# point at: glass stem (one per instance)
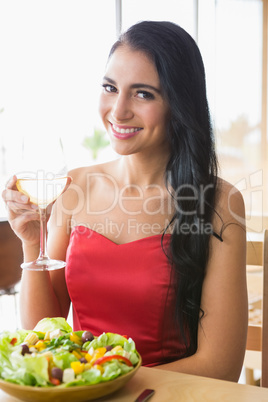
(43, 233)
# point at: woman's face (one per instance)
(132, 106)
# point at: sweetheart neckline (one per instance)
(86, 228)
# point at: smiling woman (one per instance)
(132, 93)
(162, 278)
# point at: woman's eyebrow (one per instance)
(134, 86)
(147, 86)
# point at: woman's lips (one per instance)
(123, 133)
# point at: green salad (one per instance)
(55, 355)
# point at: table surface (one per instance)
(171, 386)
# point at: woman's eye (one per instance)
(145, 95)
(109, 88)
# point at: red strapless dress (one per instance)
(125, 289)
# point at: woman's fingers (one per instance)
(11, 192)
(16, 202)
(12, 182)
(20, 211)
(14, 197)
(23, 216)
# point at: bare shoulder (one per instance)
(229, 205)
(82, 174)
(229, 199)
(89, 181)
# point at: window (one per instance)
(53, 55)
(235, 65)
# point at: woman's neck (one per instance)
(143, 171)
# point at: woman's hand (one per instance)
(23, 216)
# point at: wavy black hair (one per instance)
(191, 172)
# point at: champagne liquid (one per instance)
(42, 192)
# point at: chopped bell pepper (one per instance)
(105, 359)
(13, 341)
(54, 381)
(75, 338)
(77, 367)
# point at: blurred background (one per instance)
(53, 55)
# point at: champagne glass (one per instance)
(43, 178)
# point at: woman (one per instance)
(154, 242)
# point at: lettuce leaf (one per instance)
(63, 359)
(6, 348)
(51, 324)
(109, 338)
(25, 370)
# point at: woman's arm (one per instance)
(223, 329)
(43, 294)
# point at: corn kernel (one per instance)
(31, 338)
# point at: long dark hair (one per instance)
(191, 172)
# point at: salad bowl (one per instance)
(54, 363)
(68, 394)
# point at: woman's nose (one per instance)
(121, 109)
